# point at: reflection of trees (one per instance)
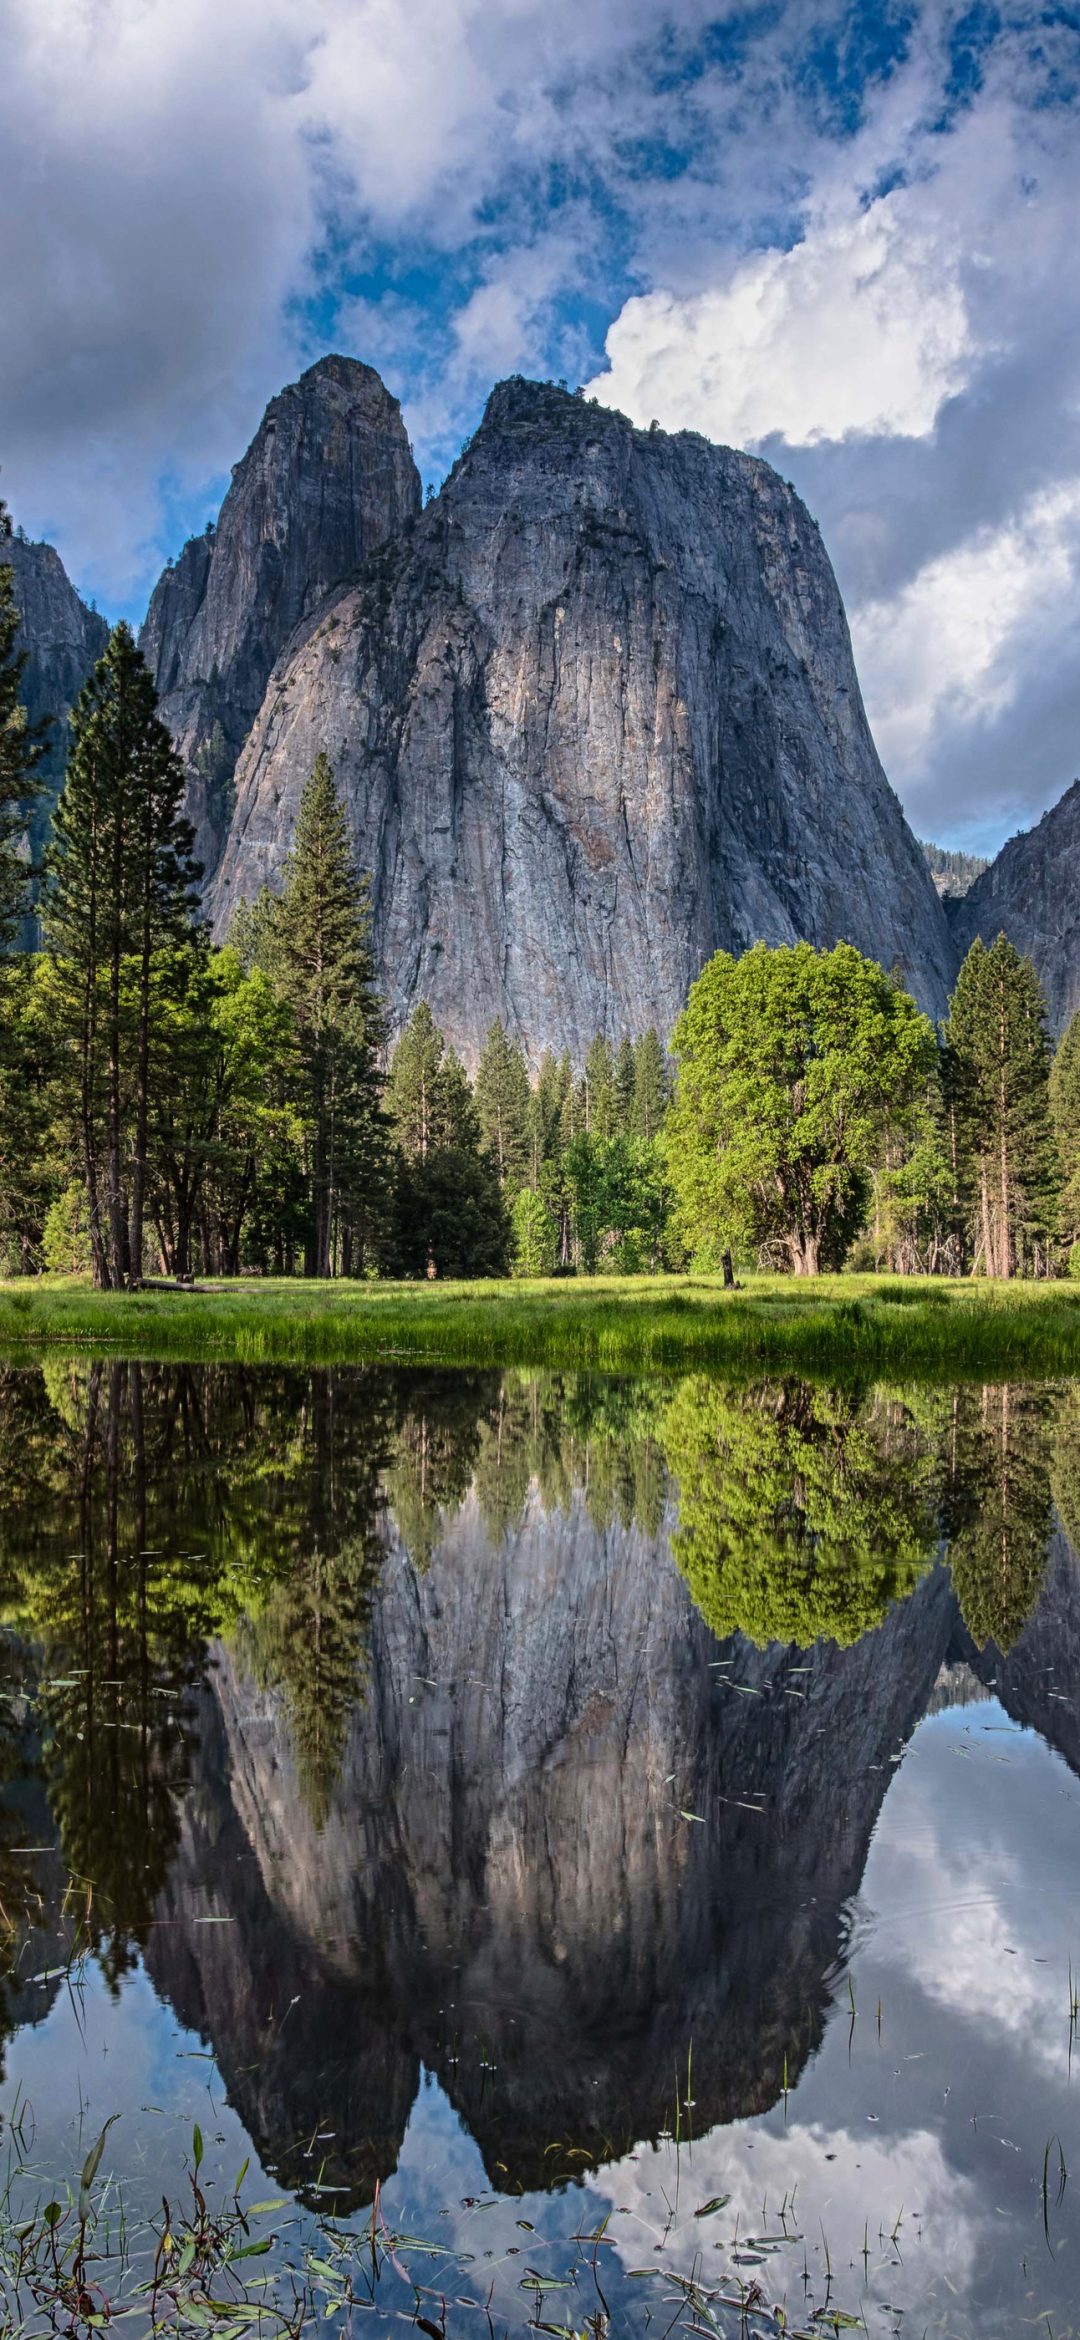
(1065, 1465)
(802, 1512)
(995, 1449)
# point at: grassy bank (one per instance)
(839, 1325)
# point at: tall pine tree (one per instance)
(316, 942)
(119, 887)
(502, 1106)
(998, 1069)
(1065, 1110)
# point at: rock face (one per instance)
(594, 717)
(1032, 894)
(328, 476)
(62, 639)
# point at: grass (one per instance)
(840, 1325)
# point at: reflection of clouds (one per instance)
(966, 1872)
(856, 2198)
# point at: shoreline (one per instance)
(841, 1326)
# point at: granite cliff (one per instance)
(62, 639)
(327, 477)
(594, 716)
(1032, 894)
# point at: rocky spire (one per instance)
(328, 476)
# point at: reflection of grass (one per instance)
(849, 1324)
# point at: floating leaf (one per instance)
(716, 2202)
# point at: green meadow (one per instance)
(839, 1325)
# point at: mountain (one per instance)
(1032, 894)
(62, 639)
(594, 716)
(328, 476)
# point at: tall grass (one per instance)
(838, 1325)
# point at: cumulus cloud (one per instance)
(913, 362)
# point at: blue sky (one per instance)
(842, 236)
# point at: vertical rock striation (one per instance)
(596, 717)
(1032, 894)
(62, 639)
(328, 476)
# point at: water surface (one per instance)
(553, 1804)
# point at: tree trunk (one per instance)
(138, 1182)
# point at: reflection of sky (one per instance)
(969, 1912)
(911, 2156)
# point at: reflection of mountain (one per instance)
(503, 1877)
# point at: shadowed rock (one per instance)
(1032, 894)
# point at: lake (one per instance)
(604, 1852)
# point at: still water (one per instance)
(612, 1844)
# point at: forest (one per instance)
(171, 1108)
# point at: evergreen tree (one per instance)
(502, 1106)
(624, 1081)
(22, 746)
(316, 939)
(419, 1100)
(998, 1059)
(652, 1087)
(1065, 1113)
(600, 1104)
(119, 887)
(449, 1213)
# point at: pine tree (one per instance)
(1065, 1112)
(652, 1087)
(449, 1213)
(502, 1104)
(600, 1109)
(119, 880)
(316, 940)
(998, 1058)
(623, 1085)
(22, 746)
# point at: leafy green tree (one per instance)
(502, 1106)
(118, 889)
(535, 1234)
(1065, 1114)
(803, 1512)
(621, 1202)
(998, 1058)
(790, 1063)
(316, 939)
(22, 746)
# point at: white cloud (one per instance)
(950, 652)
(860, 327)
(913, 362)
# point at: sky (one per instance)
(842, 237)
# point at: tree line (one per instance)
(170, 1106)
